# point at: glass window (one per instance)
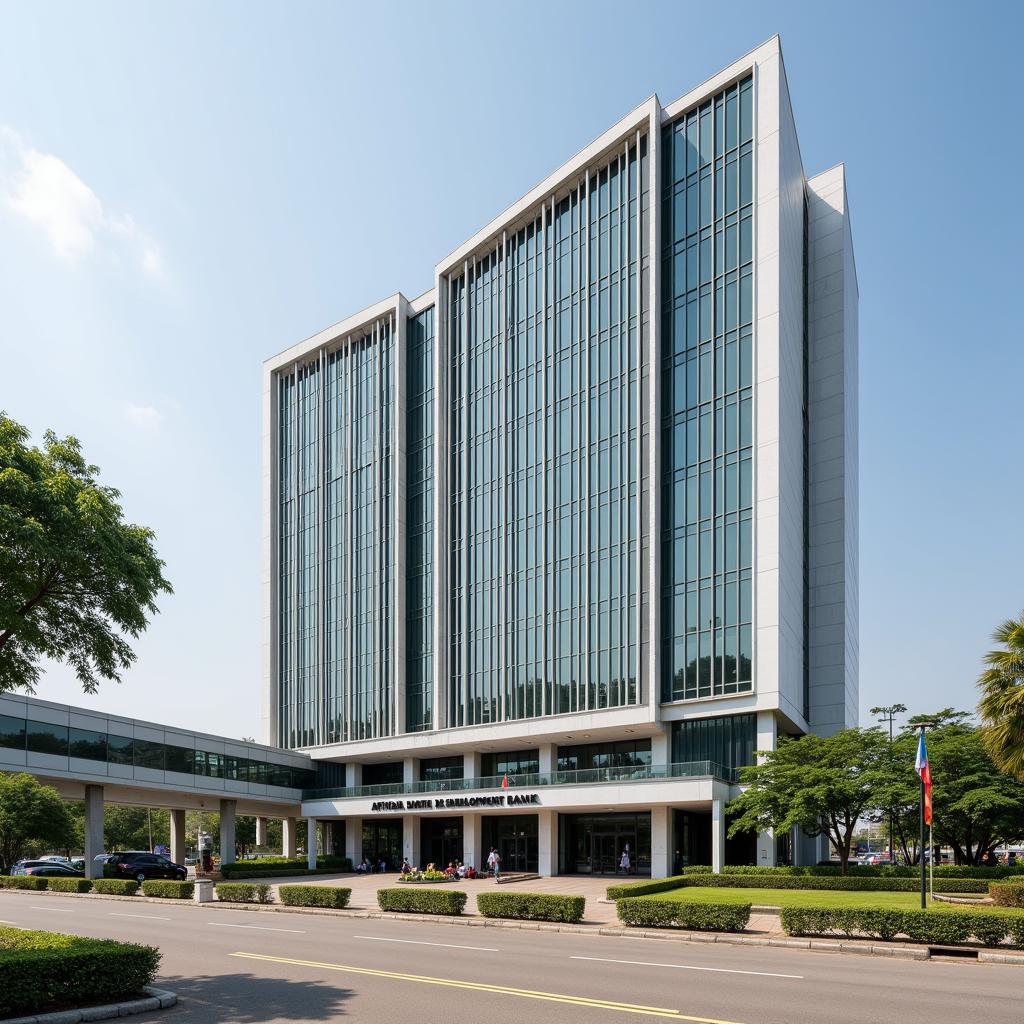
(383, 774)
(44, 738)
(441, 769)
(179, 759)
(120, 750)
(12, 732)
(149, 755)
(88, 744)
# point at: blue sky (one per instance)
(188, 188)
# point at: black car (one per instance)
(140, 866)
(50, 869)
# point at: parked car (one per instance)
(78, 863)
(52, 869)
(140, 866)
(19, 866)
(55, 858)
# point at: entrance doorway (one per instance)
(515, 837)
(594, 844)
(441, 841)
(382, 840)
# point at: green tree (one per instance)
(74, 576)
(1002, 697)
(128, 828)
(33, 819)
(823, 784)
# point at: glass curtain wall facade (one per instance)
(335, 542)
(548, 361)
(419, 482)
(707, 397)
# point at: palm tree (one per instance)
(1002, 700)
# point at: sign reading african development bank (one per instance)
(444, 803)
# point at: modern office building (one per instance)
(553, 549)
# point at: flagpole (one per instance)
(924, 902)
(931, 863)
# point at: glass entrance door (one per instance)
(514, 853)
(602, 853)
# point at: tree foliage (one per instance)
(823, 784)
(1002, 697)
(33, 819)
(75, 578)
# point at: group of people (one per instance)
(369, 867)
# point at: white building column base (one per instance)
(472, 837)
(311, 838)
(547, 843)
(410, 840)
(717, 835)
(227, 831)
(661, 843)
(93, 830)
(288, 829)
(178, 836)
(354, 840)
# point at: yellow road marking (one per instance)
(554, 997)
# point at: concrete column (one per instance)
(353, 774)
(472, 836)
(410, 770)
(93, 830)
(261, 831)
(548, 757)
(547, 843)
(717, 836)
(178, 836)
(767, 731)
(354, 840)
(288, 827)
(327, 838)
(311, 838)
(471, 767)
(227, 831)
(411, 840)
(661, 843)
(661, 752)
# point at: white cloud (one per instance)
(46, 192)
(145, 417)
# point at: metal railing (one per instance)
(582, 777)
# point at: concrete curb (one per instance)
(895, 951)
(156, 999)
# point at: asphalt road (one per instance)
(245, 966)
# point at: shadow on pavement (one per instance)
(242, 998)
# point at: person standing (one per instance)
(624, 860)
(494, 863)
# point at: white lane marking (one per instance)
(56, 910)
(688, 967)
(415, 942)
(255, 927)
(146, 917)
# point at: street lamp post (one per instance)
(888, 714)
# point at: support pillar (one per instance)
(327, 838)
(411, 841)
(717, 836)
(547, 755)
(472, 836)
(661, 748)
(227, 831)
(288, 829)
(766, 849)
(311, 838)
(261, 832)
(354, 840)
(410, 770)
(178, 836)
(353, 774)
(93, 830)
(547, 843)
(470, 770)
(661, 843)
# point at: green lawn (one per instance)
(808, 898)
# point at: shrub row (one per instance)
(531, 906)
(69, 884)
(829, 882)
(116, 886)
(269, 867)
(704, 917)
(937, 928)
(1007, 894)
(331, 896)
(244, 892)
(22, 882)
(40, 971)
(869, 871)
(167, 889)
(422, 901)
(618, 892)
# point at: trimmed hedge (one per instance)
(69, 884)
(244, 892)
(271, 867)
(40, 971)
(934, 928)
(33, 882)
(618, 892)
(828, 882)
(168, 889)
(702, 917)
(333, 896)
(1007, 894)
(422, 901)
(531, 906)
(116, 886)
(872, 871)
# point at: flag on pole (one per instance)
(922, 769)
(504, 783)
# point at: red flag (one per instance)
(922, 769)
(504, 781)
